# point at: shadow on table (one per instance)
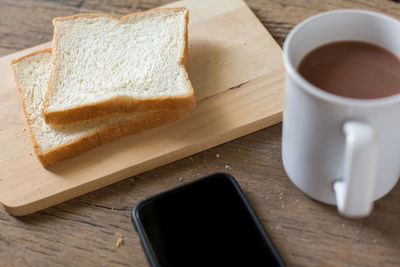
(381, 225)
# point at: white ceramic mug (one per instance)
(339, 150)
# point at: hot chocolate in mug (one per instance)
(338, 150)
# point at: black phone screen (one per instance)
(204, 223)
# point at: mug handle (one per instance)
(354, 194)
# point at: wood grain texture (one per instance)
(81, 232)
(236, 71)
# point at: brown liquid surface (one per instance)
(352, 69)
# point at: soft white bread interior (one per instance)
(103, 65)
(53, 144)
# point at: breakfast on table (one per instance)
(106, 78)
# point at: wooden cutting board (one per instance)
(236, 70)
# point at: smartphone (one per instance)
(208, 222)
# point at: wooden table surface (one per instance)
(82, 231)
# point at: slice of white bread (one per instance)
(103, 65)
(53, 144)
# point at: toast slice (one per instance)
(53, 144)
(103, 65)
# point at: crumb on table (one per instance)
(120, 241)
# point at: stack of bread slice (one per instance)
(104, 78)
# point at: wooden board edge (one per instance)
(21, 53)
(46, 202)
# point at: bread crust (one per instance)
(108, 133)
(119, 104)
